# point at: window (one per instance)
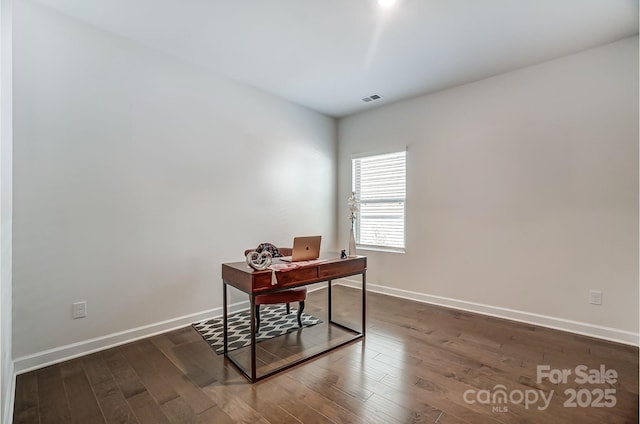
(380, 186)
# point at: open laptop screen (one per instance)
(304, 249)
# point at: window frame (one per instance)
(376, 247)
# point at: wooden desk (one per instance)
(247, 280)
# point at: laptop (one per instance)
(304, 249)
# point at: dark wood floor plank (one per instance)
(82, 402)
(195, 360)
(165, 344)
(232, 404)
(410, 410)
(114, 406)
(449, 419)
(123, 373)
(214, 415)
(174, 377)
(26, 399)
(155, 383)
(262, 397)
(341, 378)
(303, 412)
(414, 366)
(294, 390)
(439, 392)
(96, 368)
(369, 412)
(146, 409)
(178, 411)
(181, 336)
(53, 403)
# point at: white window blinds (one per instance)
(380, 186)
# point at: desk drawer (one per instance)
(296, 276)
(341, 268)
(262, 281)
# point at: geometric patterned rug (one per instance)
(274, 322)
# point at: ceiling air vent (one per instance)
(371, 98)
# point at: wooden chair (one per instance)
(298, 294)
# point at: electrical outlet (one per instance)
(80, 309)
(595, 297)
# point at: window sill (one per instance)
(381, 249)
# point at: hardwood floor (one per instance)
(418, 364)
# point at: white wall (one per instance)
(136, 176)
(522, 192)
(7, 380)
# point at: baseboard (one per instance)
(53, 356)
(605, 333)
(63, 353)
(10, 395)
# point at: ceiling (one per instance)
(329, 54)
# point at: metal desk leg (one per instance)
(329, 299)
(253, 338)
(224, 319)
(364, 302)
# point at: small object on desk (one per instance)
(343, 254)
(354, 208)
(259, 261)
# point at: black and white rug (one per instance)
(274, 322)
